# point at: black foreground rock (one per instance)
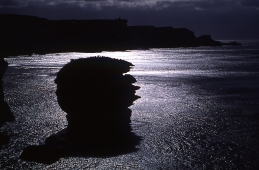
(95, 93)
(5, 113)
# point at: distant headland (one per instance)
(25, 35)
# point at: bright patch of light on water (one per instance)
(198, 108)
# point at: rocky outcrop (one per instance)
(160, 37)
(205, 40)
(42, 154)
(95, 94)
(233, 43)
(5, 112)
(28, 35)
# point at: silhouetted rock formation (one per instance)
(25, 35)
(43, 154)
(4, 139)
(160, 37)
(96, 95)
(3, 68)
(233, 43)
(5, 112)
(205, 40)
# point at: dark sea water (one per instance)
(199, 109)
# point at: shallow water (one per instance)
(199, 109)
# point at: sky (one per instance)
(222, 19)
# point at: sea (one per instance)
(199, 108)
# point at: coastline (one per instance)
(27, 35)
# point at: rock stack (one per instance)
(5, 112)
(95, 93)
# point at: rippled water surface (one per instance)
(199, 109)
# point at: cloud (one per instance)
(12, 3)
(250, 3)
(143, 4)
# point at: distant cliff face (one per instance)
(27, 35)
(205, 40)
(161, 37)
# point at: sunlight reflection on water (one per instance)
(196, 106)
(150, 62)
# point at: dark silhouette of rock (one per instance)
(43, 154)
(233, 43)
(160, 37)
(205, 40)
(25, 35)
(4, 138)
(5, 112)
(95, 93)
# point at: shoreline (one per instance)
(27, 35)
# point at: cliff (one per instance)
(205, 40)
(160, 37)
(28, 35)
(25, 35)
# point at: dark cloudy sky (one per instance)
(223, 19)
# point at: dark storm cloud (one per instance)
(209, 4)
(12, 3)
(250, 3)
(152, 4)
